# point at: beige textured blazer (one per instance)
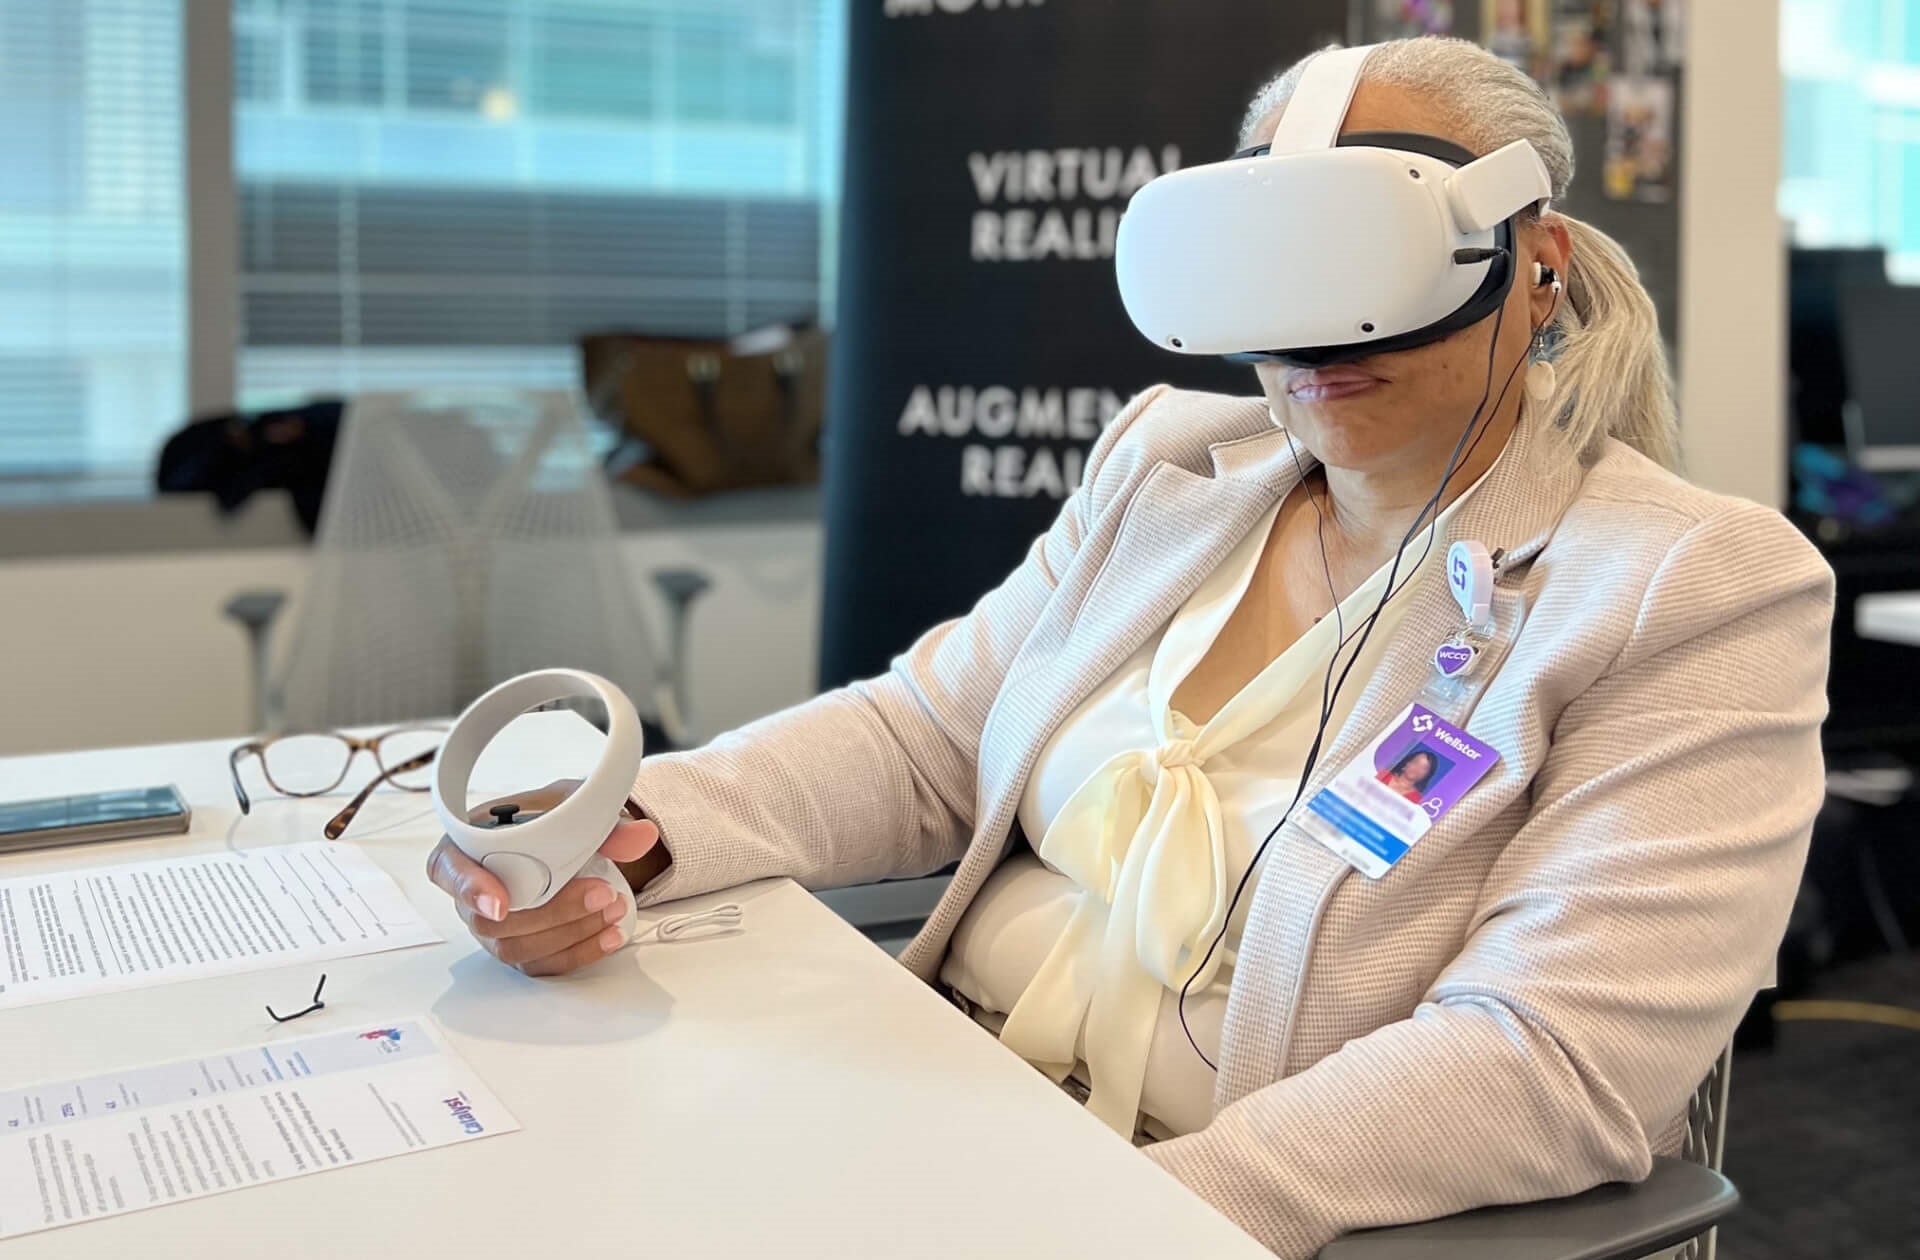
(1519, 1009)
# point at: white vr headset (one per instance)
(1320, 248)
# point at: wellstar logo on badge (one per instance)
(463, 1112)
(388, 1039)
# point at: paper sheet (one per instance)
(81, 1150)
(76, 933)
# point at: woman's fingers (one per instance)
(470, 884)
(541, 948)
(629, 841)
(580, 899)
(578, 925)
(588, 951)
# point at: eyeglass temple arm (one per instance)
(233, 768)
(344, 819)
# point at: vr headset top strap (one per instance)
(1319, 103)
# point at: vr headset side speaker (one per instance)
(1372, 242)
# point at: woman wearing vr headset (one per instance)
(1246, 596)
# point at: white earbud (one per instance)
(1541, 378)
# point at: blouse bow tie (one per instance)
(1144, 839)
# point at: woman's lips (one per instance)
(1314, 385)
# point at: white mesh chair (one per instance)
(465, 538)
(1669, 1215)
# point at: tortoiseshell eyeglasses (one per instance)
(315, 763)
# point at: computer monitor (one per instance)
(1879, 335)
(1816, 278)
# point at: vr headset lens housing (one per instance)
(1376, 242)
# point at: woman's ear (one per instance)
(1546, 275)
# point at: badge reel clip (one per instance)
(1470, 571)
(535, 854)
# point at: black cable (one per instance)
(1330, 689)
(1467, 458)
(1485, 427)
(1326, 568)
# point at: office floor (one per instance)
(1824, 1131)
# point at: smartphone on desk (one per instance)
(117, 815)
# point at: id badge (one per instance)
(1386, 799)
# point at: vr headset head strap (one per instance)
(1498, 186)
(1319, 103)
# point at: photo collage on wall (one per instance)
(1640, 110)
(1570, 47)
(1404, 19)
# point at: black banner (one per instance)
(981, 345)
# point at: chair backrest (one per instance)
(465, 538)
(1706, 1139)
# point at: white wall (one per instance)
(1733, 289)
(134, 650)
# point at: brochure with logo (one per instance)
(80, 1150)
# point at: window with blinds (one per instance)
(1852, 105)
(92, 235)
(439, 192)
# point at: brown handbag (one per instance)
(700, 416)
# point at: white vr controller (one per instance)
(534, 857)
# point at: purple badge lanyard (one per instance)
(1491, 616)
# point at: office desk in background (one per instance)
(788, 1091)
(1891, 617)
(1873, 687)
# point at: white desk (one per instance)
(787, 1092)
(1893, 616)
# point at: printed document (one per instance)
(74, 1151)
(76, 933)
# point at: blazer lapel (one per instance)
(1175, 530)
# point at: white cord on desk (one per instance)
(676, 926)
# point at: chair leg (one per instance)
(680, 587)
(256, 611)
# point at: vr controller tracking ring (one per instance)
(534, 859)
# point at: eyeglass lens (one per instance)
(399, 747)
(305, 765)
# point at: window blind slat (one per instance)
(92, 239)
(486, 180)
